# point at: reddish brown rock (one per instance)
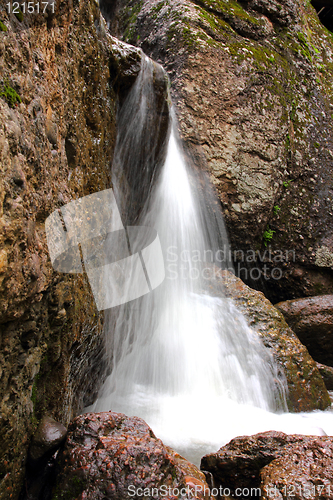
(111, 456)
(312, 321)
(280, 465)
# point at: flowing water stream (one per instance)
(183, 359)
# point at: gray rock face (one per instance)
(312, 321)
(49, 436)
(252, 82)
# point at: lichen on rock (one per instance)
(253, 85)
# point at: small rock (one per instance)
(49, 436)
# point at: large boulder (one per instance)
(110, 455)
(274, 465)
(306, 388)
(252, 82)
(312, 321)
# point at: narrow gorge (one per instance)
(244, 154)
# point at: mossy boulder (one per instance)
(253, 86)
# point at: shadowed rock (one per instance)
(327, 373)
(312, 321)
(49, 436)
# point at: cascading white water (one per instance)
(184, 360)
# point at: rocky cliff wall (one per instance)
(252, 81)
(59, 73)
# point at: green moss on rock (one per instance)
(19, 15)
(11, 96)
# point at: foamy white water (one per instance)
(184, 361)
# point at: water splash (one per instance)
(184, 360)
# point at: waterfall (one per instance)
(183, 358)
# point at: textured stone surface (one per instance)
(55, 147)
(312, 321)
(327, 373)
(306, 386)
(252, 82)
(56, 144)
(110, 455)
(282, 466)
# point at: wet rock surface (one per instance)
(48, 437)
(281, 465)
(110, 455)
(312, 321)
(252, 82)
(306, 387)
(55, 141)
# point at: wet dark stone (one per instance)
(312, 321)
(275, 463)
(49, 436)
(327, 373)
(110, 455)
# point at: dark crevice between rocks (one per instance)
(38, 483)
(108, 9)
(324, 9)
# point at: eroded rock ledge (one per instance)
(306, 388)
